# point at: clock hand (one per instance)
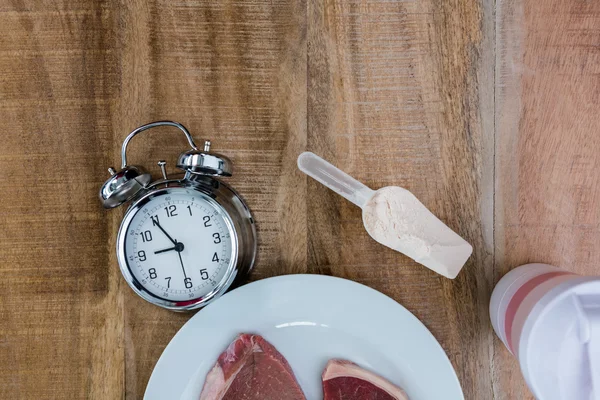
(178, 247)
(165, 250)
(182, 267)
(165, 232)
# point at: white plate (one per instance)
(309, 319)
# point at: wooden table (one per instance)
(487, 111)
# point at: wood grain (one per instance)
(401, 93)
(76, 78)
(61, 331)
(500, 144)
(547, 158)
(235, 73)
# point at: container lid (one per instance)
(560, 345)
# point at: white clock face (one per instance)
(178, 245)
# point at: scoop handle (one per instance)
(334, 178)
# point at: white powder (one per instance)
(396, 218)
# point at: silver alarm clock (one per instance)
(184, 240)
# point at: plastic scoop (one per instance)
(394, 217)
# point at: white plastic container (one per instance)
(549, 319)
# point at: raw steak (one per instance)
(251, 369)
(344, 380)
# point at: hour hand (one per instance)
(165, 250)
(178, 248)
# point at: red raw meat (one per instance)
(344, 380)
(251, 369)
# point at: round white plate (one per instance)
(309, 319)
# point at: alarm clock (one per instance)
(186, 239)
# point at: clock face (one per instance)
(178, 244)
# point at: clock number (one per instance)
(154, 220)
(217, 238)
(168, 279)
(171, 210)
(152, 273)
(203, 274)
(188, 282)
(146, 236)
(142, 255)
(206, 219)
(190, 210)
(215, 258)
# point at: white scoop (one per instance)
(394, 217)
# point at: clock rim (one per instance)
(138, 288)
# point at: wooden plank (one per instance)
(401, 93)
(76, 79)
(61, 331)
(547, 190)
(233, 72)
